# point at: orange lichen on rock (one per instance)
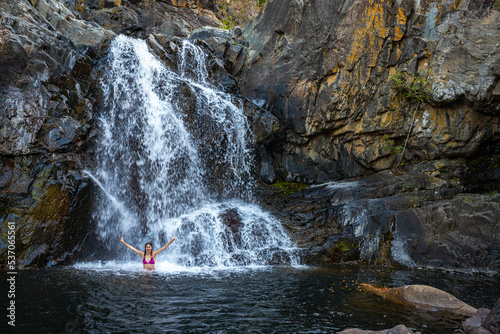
(368, 38)
(400, 23)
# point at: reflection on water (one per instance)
(118, 297)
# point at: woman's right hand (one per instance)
(122, 240)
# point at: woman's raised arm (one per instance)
(156, 252)
(141, 254)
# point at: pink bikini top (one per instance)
(152, 261)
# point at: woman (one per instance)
(148, 256)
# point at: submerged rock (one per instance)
(473, 324)
(423, 296)
(399, 329)
(484, 321)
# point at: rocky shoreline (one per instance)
(481, 321)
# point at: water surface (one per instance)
(119, 297)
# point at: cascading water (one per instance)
(167, 168)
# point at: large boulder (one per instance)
(473, 325)
(399, 329)
(423, 297)
(484, 321)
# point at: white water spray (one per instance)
(177, 168)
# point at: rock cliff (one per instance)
(319, 79)
(49, 96)
(327, 70)
(323, 68)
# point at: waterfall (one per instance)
(174, 160)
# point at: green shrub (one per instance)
(416, 88)
(390, 147)
(238, 12)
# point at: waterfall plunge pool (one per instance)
(169, 168)
(120, 297)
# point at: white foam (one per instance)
(153, 166)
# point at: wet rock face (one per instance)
(49, 95)
(46, 113)
(322, 67)
(418, 219)
(232, 220)
(40, 194)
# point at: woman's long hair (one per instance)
(148, 243)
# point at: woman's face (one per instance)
(149, 248)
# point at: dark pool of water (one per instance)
(258, 300)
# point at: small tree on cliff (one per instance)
(415, 88)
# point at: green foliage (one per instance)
(238, 12)
(228, 23)
(390, 147)
(414, 88)
(417, 88)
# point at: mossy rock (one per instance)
(52, 206)
(344, 251)
(39, 205)
(288, 188)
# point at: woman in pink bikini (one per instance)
(148, 256)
